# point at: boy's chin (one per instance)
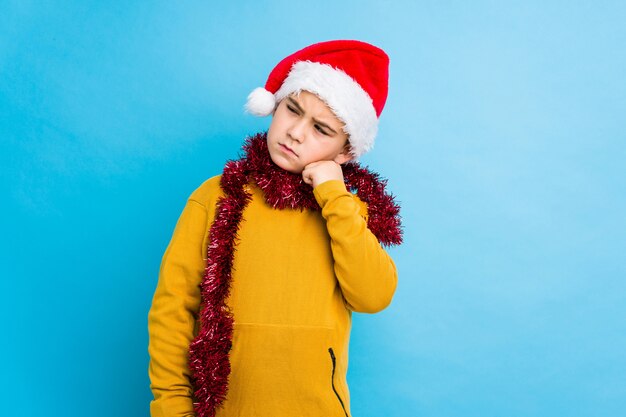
(294, 171)
(287, 167)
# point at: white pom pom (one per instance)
(260, 102)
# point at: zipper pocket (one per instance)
(332, 381)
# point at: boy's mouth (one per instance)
(287, 149)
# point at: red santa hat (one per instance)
(350, 76)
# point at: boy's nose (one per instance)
(296, 131)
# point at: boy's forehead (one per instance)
(305, 98)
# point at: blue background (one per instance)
(503, 138)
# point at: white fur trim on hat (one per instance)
(345, 97)
(260, 102)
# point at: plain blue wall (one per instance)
(503, 138)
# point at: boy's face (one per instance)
(305, 130)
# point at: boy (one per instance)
(260, 326)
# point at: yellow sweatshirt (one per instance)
(296, 278)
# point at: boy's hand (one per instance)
(321, 171)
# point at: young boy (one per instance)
(252, 312)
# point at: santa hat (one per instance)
(350, 76)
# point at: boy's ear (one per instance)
(344, 156)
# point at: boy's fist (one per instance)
(321, 171)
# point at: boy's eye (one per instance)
(292, 109)
(321, 130)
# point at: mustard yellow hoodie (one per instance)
(297, 278)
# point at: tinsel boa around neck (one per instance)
(208, 352)
(283, 189)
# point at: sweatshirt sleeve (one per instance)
(172, 316)
(366, 273)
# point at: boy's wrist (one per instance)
(334, 183)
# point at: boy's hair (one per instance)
(350, 76)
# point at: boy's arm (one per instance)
(366, 273)
(172, 317)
